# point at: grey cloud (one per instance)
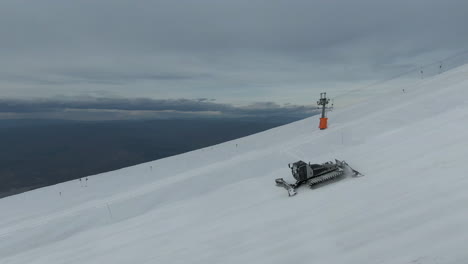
(208, 48)
(220, 25)
(40, 105)
(97, 76)
(144, 108)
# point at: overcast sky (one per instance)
(235, 52)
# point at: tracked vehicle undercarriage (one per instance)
(312, 174)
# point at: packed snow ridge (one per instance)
(220, 204)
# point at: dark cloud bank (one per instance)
(142, 108)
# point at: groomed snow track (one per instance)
(218, 204)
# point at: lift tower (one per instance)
(323, 102)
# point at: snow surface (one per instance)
(220, 204)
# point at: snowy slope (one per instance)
(220, 204)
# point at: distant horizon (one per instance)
(143, 108)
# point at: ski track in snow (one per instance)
(165, 183)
